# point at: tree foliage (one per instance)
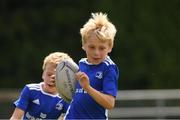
(146, 45)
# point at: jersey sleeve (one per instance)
(23, 100)
(110, 83)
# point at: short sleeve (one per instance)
(23, 100)
(110, 83)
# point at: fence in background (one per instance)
(149, 104)
(7, 97)
(134, 104)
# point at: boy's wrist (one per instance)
(87, 89)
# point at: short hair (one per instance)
(101, 26)
(55, 58)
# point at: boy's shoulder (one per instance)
(83, 60)
(34, 86)
(108, 61)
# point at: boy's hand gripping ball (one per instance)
(65, 79)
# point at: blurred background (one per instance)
(147, 43)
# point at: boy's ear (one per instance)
(83, 48)
(42, 76)
(110, 49)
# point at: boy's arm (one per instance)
(107, 101)
(17, 114)
(61, 117)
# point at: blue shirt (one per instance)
(104, 78)
(38, 104)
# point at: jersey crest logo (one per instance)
(36, 101)
(59, 105)
(99, 75)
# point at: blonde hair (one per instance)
(101, 26)
(55, 58)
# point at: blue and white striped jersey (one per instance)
(38, 104)
(104, 78)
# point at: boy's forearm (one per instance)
(17, 114)
(107, 101)
(61, 117)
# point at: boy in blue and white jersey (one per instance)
(98, 75)
(41, 100)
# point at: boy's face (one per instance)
(49, 78)
(96, 50)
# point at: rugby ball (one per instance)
(65, 79)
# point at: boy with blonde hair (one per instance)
(98, 75)
(41, 100)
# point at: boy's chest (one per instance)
(41, 105)
(96, 77)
